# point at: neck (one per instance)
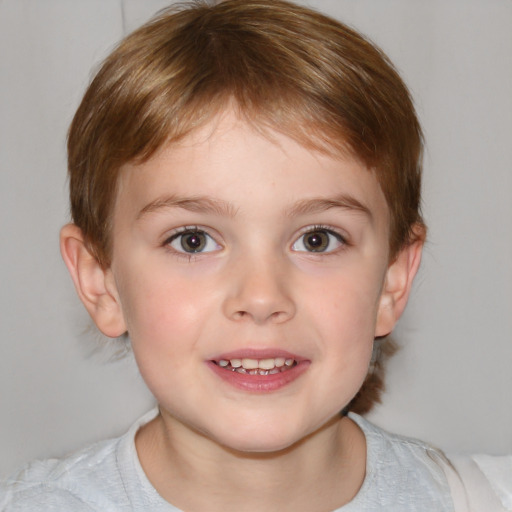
(321, 472)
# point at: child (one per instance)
(245, 188)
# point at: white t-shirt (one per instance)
(403, 475)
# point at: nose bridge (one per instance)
(260, 290)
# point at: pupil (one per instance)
(317, 241)
(193, 242)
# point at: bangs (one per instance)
(281, 66)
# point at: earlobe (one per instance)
(94, 284)
(397, 286)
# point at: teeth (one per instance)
(269, 366)
(250, 364)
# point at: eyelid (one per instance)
(341, 237)
(175, 232)
(182, 230)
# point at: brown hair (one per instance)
(283, 67)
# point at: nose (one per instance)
(259, 292)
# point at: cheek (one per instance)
(346, 305)
(164, 330)
(162, 314)
(345, 311)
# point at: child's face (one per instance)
(290, 264)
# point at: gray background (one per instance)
(450, 384)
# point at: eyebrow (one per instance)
(317, 205)
(198, 204)
(201, 204)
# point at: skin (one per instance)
(255, 288)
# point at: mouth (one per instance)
(259, 371)
(250, 366)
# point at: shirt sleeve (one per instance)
(487, 481)
(40, 498)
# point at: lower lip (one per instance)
(260, 383)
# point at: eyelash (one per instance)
(196, 230)
(330, 231)
(192, 230)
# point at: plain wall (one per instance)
(450, 384)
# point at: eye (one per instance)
(318, 240)
(192, 241)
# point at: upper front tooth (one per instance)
(267, 364)
(250, 364)
(263, 364)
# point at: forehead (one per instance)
(233, 161)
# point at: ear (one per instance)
(397, 286)
(94, 284)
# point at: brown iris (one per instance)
(316, 241)
(193, 241)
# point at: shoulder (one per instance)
(73, 483)
(487, 481)
(407, 452)
(403, 471)
(104, 477)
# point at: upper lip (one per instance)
(249, 353)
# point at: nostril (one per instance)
(260, 307)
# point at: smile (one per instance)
(259, 371)
(268, 366)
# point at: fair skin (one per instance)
(233, 248)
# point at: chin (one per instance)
(258, 446)
(260, 439)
